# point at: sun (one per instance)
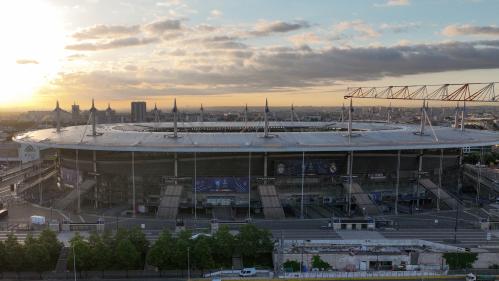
(32, 49)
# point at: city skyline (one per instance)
(226, 53)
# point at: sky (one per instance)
(236, 52)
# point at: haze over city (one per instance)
(231, 53)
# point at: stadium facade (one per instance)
(272, 170)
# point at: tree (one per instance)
(14, 254)
(182, 242)
(460, 260)
(317, 262)
(291, 266)
(36, 257)
(139, 241)
(255, 245)
(83, 253)
(223, 246)
(3, 265)
(49, 240)
(126, 257)
(101, 251)
(202, 254)
(161, 253)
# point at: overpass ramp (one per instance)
(362, 198)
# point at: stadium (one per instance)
(267, 169)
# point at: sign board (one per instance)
(28, 153)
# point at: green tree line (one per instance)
(253, 245)
(36, 254)
(125, 250)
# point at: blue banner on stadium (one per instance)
(312, 167)
(222, 184)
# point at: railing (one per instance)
(362, 274)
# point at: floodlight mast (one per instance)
(58, 116)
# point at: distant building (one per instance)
(139, 111)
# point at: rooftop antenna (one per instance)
(246, 113)
(266, 118)
(463, 115)
(156, 113)
(58, 116)
(93, 110)
(108, 113)
(389, 114)
(292, 112)
(175, 118)
(456, 116)
(350, 111)
(423, 121)
(342, 119)
(425, 118)
(202, 113)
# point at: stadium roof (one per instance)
(247, 137)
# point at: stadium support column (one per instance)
(40, 184)
(397, 184)
(175, 167)
(460, 171)
(350, 182)
(134, 211)
(133, 185)
(249, 185)
(302, 184)
(440, 171)
(195, 186)
(265, 168)
(420, 171)
(78, 204)
(96, 191)
(350, 111)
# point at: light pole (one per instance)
(188, 264)
(74, 261)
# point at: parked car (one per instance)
(247, 272)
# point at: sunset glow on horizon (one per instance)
(231, 53)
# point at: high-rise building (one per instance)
(139, 111)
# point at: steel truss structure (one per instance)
(466, 92)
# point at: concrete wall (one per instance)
(485, 260)
(344, 261)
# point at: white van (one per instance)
(247, 272)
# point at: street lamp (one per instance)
(74, 262)
(188, 264)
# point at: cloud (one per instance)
(215, 14)
(26, 61)
(363, 29)
(265, 28)
(112, 44)
(391, 3)
(162, 26)
(305, 39)
(456, 30)
(220, 71)
(399, 27)
(101, 30)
